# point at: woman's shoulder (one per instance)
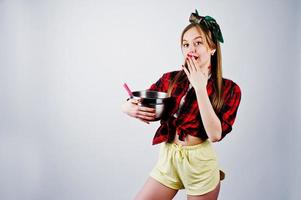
(231, 86)
(170, 75)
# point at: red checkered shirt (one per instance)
(189, 119)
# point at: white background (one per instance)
(62, 66)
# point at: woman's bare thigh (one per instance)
(153, 190)
(212, 195)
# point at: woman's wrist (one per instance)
(201, 90)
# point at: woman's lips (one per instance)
(195, 57)
(190, 56)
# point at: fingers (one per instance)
(144, 117)
(134, 101)
(192, 67)
(140, 112)
(188, 65)
(146, 109)
(145, 113)
(192, 62)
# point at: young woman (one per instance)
(204, 110)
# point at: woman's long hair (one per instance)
(216, 67)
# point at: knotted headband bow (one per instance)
(209, 22)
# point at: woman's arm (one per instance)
(211, 122)
(199, 79)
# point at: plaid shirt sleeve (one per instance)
(229, 110)
(161, 85)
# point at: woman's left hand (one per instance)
(197, 77)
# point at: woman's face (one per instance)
(194, 44)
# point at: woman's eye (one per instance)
(198, 43)
(185, 45)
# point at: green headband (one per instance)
(209, 22)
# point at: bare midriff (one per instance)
(189, 140)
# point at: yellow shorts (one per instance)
(194, 168)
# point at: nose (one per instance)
(191, 49)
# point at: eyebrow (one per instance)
(194, 38)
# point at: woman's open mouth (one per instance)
(190, 56)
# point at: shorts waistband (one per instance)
(192, 147)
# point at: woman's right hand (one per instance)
(134, 109)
